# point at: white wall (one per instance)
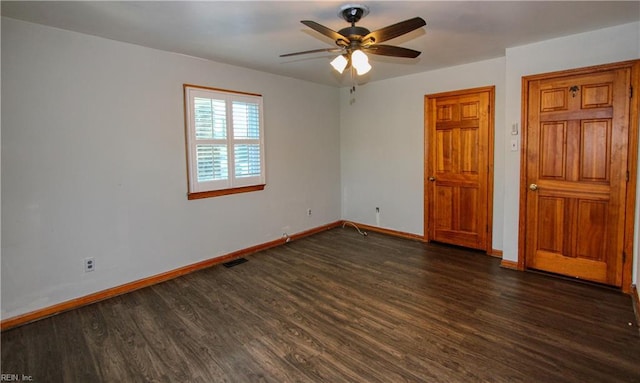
(93, 164)
(382, 145)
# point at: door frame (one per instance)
(491, 89)
(632, 164)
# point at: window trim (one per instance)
(189, 138)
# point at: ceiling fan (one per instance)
(354, 41)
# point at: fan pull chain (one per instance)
(352, 90)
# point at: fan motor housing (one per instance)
(354, 32)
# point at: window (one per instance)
(225, 141)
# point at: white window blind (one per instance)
(225, 139)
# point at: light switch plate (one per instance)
(514, 144)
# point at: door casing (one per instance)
(632, 169)
(490, 164)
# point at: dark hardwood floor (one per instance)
(339, 307)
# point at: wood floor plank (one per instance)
(340, 307)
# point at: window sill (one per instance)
(218, 193)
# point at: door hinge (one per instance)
(627, 176)
(624, 257)
(630, 91)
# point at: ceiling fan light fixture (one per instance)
(339, 63)
(360, 62)
(352, 41)
(363, 69)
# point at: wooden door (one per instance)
(577, 140)
(458, 178)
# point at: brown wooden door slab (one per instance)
(577, 139)
(458, 156)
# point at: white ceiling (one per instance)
(253, 34)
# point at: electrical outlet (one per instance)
(89, 264)
(308, 211)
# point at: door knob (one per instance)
(432, 178)
(533, 187)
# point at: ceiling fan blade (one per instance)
(395, 30)
(312, 51)
(324, 30)
(390, 50)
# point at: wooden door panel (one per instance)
(444, 151)
(444, 208)
(446, 111)
(591, 217)
(553, 153)
(469, 143)
(595, 144)
(468, 202)
(597, 95)
(469, 109)
(551, 224)
(553, 99)
(577, 141)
